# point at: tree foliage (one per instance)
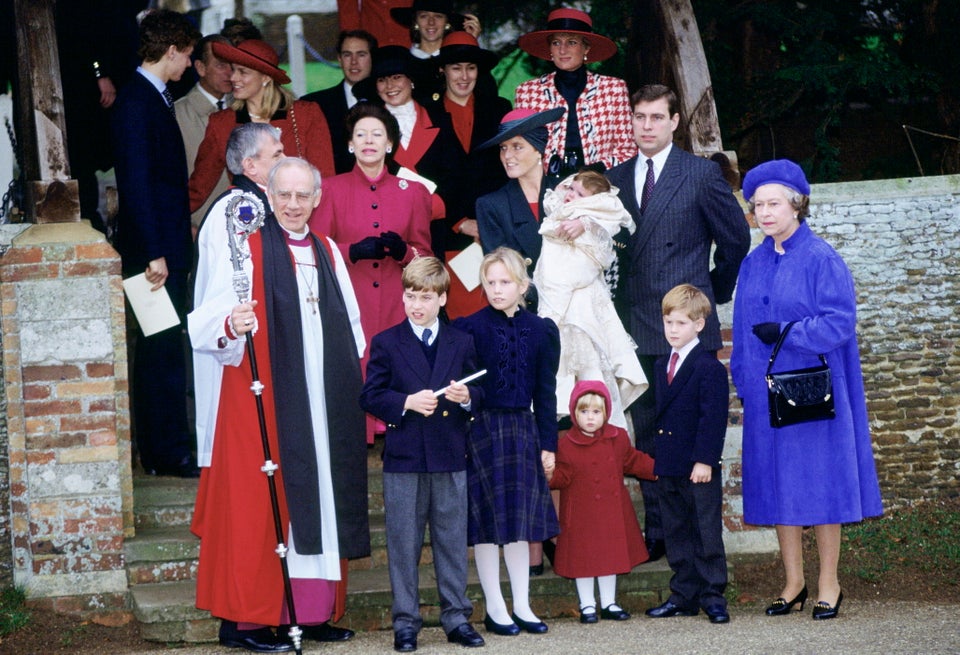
(804, 78)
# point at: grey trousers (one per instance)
(411, 501)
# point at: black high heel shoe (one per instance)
(823, 611)
(781, 606)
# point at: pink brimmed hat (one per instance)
(568, 21)
(255, 54)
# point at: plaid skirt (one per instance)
(509, 496)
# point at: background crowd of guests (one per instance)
(370, 190)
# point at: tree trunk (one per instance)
(51, 196)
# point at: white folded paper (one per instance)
(466, 265)
(153, 309)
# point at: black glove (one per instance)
(368, 248)
(395, 245)
(767, 332)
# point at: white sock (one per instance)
(487, 557)
(608, 590)
(516, 556)
(585, 592)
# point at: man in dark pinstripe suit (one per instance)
(682, 207)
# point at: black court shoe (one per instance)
(781, 606)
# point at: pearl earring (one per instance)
(389, 149)
(265, 84)
(350, 149)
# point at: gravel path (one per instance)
(863, 628)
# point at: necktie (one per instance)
(674, 358)
(169, 98)
(426, 337)
(220, 104)
(647, 187)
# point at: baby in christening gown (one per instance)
(572, 292)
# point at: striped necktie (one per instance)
(169, 98)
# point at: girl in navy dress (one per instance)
(510, 448)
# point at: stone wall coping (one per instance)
(902, 187)
(71, 233)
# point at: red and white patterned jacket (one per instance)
(603, 114)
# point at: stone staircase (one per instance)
(161, 566)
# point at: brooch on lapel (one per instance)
(403, 184)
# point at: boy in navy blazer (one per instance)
(692, 394)
(424, 456)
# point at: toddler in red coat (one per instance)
(599, 534)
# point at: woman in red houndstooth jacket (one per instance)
(599, 131)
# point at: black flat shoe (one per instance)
(405, 640)
(261, 640)
(717, 614)
(823, 611)
(504, 630)
(326, 632)
(614, 612)
(465, 635)
(533, 627)
(589, 617)
(781, 606)
(669, 609)
(536, 570)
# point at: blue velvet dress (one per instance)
(811, 473)
(508, 492)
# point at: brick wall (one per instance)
(65, 385)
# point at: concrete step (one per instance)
(160, 501)
(167, 554)
(167, 611)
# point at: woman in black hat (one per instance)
(471, 111)
(429, 21)
(598, 132)
(259, 97)
(510, 216)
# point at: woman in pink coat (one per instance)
(379, 221)
(599, 131)
(599, 534)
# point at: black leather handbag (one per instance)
(801, 395)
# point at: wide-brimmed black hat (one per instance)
(460, 46)
(406, 15)
(568, 21)
(387, 60)
(521, 122)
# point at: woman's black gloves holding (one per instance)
(388, 243)
(368, 248)
(766, 332)
(395, 245)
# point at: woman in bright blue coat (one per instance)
(819, 473)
